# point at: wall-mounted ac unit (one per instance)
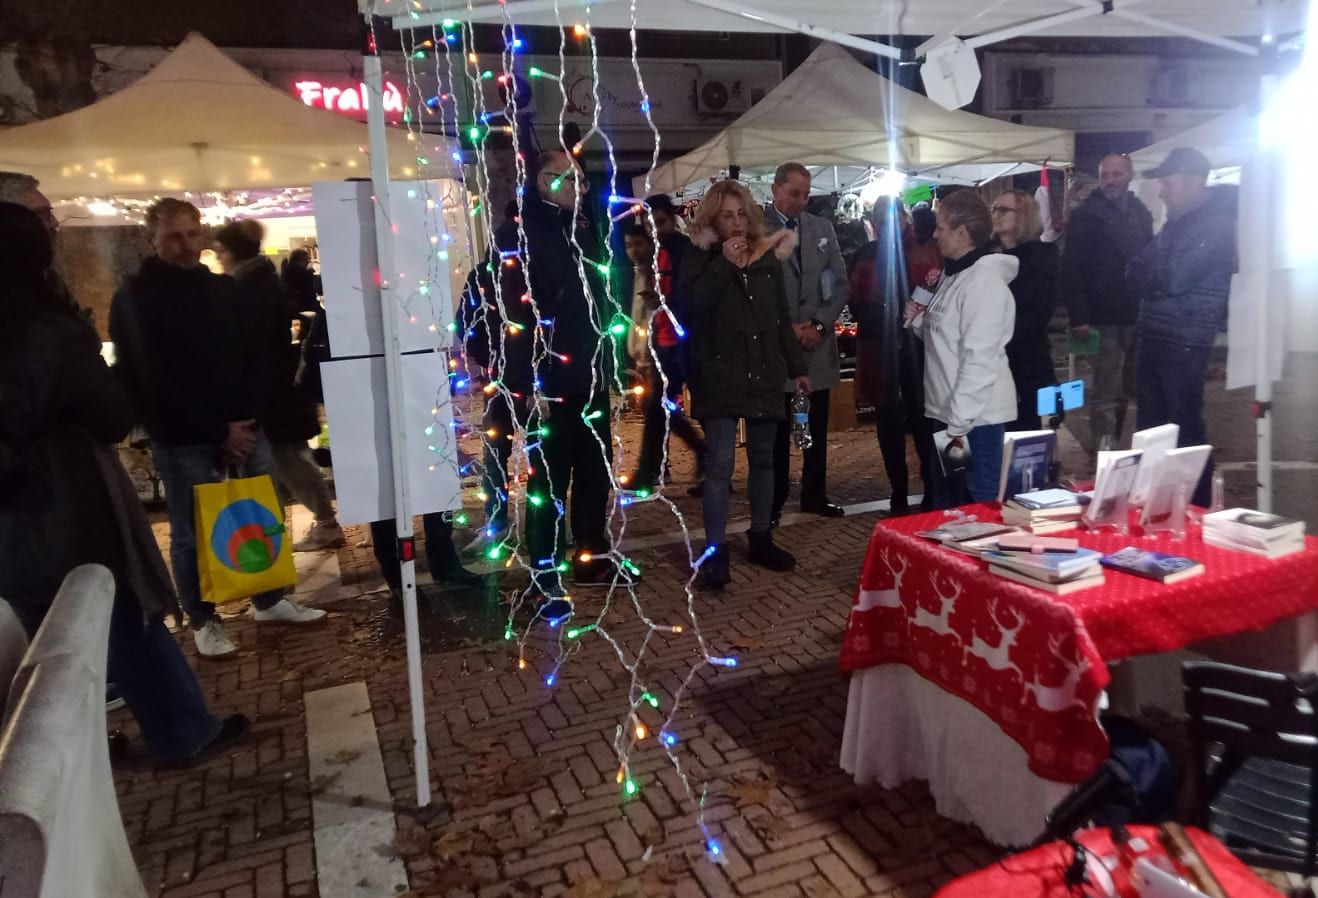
(1030, 87)
(717, 96)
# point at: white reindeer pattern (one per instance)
(939, 623)
(1056, 699)
(885, 598)
(998, 657)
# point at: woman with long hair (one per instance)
(968, 390)
(743, 348)
(1017, 227)
(66, 501)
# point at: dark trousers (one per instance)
(893, 423)
(814, 461)
(154, 678)
(977, 484)
(441, 557)
(651, 456)
(1171, 391)
(499, 413)
(573, 454)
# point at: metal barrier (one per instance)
(61, 835)
(13, 643)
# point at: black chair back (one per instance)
(1254, 736)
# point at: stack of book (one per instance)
(1060, 573)
(1244, 530)
(1043, 511)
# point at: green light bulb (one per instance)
(618, 329)
(461, 520)
(630, 787)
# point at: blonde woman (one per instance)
(1017, 227)
(743, 349)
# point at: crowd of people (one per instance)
(738, 308)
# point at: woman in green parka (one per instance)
(742, 349)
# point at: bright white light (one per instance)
(890, 183)
(1287, 131)
(102, 209)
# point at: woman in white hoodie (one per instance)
(968, 388)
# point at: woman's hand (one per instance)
(803, 383)
(735, 250)
(912, 312)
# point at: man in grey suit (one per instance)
(817, 291)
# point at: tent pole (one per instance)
(1264, 161)
(827, 34)
(393, 364)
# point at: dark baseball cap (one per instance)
(1182, 161)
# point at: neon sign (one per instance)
(350, 99)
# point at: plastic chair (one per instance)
(1254, 737)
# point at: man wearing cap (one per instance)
(1182, 279)
(1104, 234)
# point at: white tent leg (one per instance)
(393, 360)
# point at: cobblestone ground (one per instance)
(525, 773)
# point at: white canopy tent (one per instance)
(834, 112)
(1217, 22)
(199, 121)
(1229, 141)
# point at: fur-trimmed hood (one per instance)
(782, 243)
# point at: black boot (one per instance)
(766, 555)
(458, 577)
(715, 571)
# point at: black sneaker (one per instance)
(233, 729)
(765, 554)
(716, 570)
(604, 572)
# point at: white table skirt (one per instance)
(902, 727)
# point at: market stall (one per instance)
(849, 124)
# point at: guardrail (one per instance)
(61, 835)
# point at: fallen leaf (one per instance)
(654, 836)
(321, 783)
(451, 845)
(751, 789)
(343, 758)
(769, 827)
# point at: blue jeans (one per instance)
(153, 677)
(1170, 386)
(720, 459)
(181, 468)
(980, 482)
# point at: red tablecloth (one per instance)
(1035, 662)
(1038, 873)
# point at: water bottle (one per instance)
(801, 420)
(1219, 492)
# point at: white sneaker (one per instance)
(322, 535)
(286, 611)
(213, 642)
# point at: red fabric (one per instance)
(664, 332)
(1043, 688)
(1039, 873)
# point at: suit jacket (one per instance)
(817, 288)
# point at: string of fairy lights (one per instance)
(451, 49)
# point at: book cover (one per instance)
(1112, 484)
(964, 530)
(1154, 442)
(1046, 500)
(1153, 565)
(1259, 521)
(1027, 460)
(1176, 470)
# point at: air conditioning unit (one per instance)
(716, 96)
(1171, 87)
(1030, 87)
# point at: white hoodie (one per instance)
(967, 382)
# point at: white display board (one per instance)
(359, 436)
(423, 215)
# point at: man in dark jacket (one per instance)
(1108, 230)
(572, 422)
(180, 348)
(1183, 280)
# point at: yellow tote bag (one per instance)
(242, 547)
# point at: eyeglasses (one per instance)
(998, 211)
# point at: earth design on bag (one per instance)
(247, 537)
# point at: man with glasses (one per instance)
(1103, 236)
(24, 190)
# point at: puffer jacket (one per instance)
(967, 380)
(1183, 278)
(743, 347)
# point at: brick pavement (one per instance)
(526, 774)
